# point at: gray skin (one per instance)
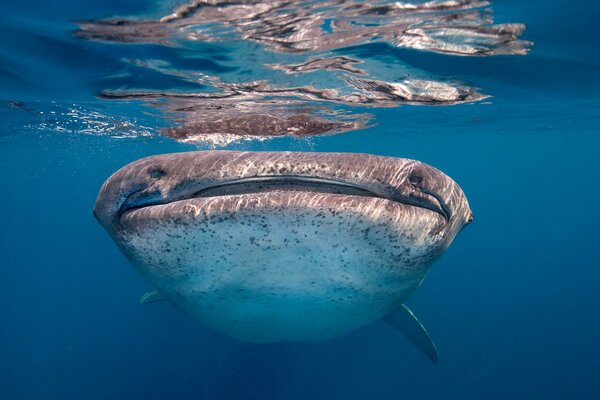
(283, 246)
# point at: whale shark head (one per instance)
(180, 177)
(272, 246)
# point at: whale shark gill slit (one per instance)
(292, 183)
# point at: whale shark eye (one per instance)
(415, 179)
(156, 173)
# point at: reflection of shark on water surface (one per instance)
(263, 60)
(284, 246)
(462, 27)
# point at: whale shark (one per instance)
(284, 246)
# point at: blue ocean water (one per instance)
(513, 305)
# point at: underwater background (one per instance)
(513, 306)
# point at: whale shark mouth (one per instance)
(291, 183)
(294, 184)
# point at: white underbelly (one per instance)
(290, 274)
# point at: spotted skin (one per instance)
(285, 263)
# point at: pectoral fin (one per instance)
(152, 297)
(406, 322)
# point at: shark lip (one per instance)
(260, 184)
(294, 183)
(428, 199)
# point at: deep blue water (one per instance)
(513, 306)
